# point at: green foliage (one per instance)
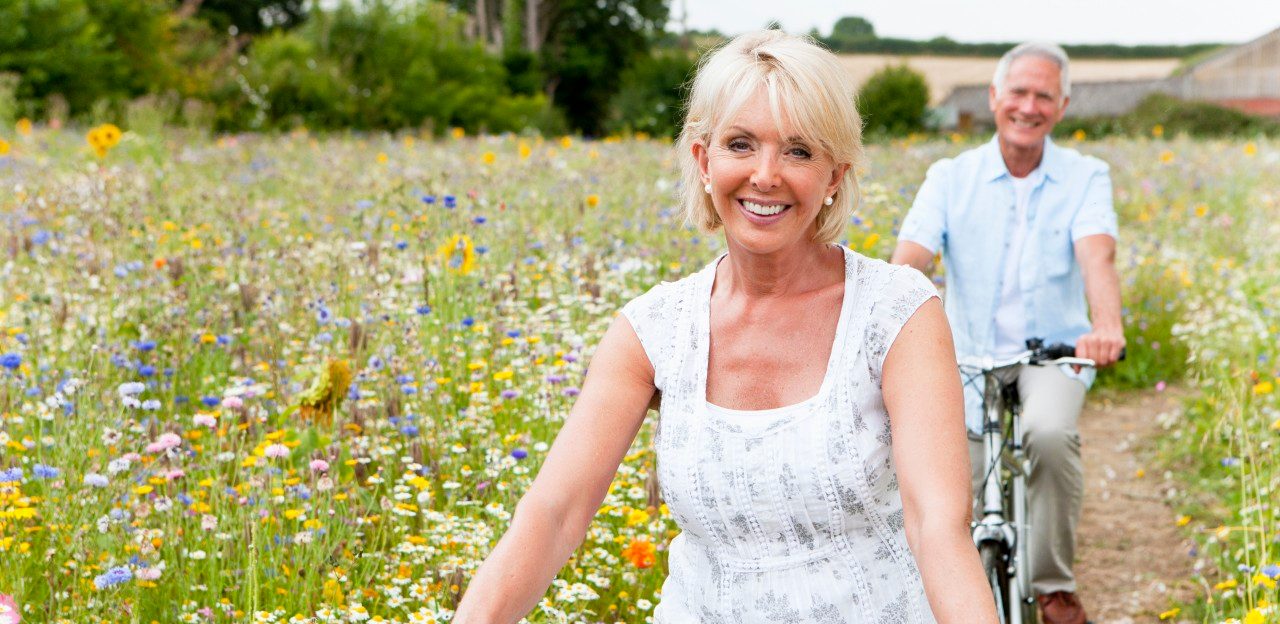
(1175, 116)
(850, 31)
(57, 48)
(857, 35)
(894, 101)
(253, 16)
(589, 43)
(379, 65)
(652, 95)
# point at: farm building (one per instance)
(1245, 77)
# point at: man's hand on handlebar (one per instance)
(1102, 345)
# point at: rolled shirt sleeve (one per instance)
(1097, 214)
(926, 222)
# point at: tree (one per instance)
(849, 32)
(249, 17)
(589, 44)
(894, 101)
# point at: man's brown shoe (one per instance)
(1061, 608)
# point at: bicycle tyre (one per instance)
(996, 568)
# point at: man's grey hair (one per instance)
(1040, 49)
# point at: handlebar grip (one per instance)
(1055, 351)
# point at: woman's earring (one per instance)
(707, 188)
(828, 201)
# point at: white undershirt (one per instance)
(1011, 321)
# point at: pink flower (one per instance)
(319, 465)
(1160, 386)
(148, 574)
(204, 420)
(233, 402)
(276, 451)
(165, 442)
(9, 612)
(175, 474)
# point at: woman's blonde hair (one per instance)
(806, 88)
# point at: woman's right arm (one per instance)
(552, 518)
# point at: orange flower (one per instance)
(640, 553)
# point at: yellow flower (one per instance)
(525, 150)
(458, 254)
(458, 133)
(566, 142)
(1263, 387)
(1250, 149)
(1263, 580)
(1157, 131)
(489, 158)
(143, 490)
(593, 200)
(1184, 520)
(1202, 210)
(871, 241)
(24, 126)
(1255, 616)
(1166, 157)
(1224, 585)
(1170, 614)
(382, 158)
(408, 142)
(637, 516)
(1079, 135)
(4, 147)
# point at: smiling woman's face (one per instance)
(767, 184)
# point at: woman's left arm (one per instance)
(921, 388)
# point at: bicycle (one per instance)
(1002, 529)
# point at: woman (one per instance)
(786, 368)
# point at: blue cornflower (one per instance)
(10, 360)
(519, 453)
(145, 345)
(323, 315)
(401, 245)
(146, 370)
(450, 201)
(94, 479)
(428, 199)
(113, 577)
(404, 379)
(478, 219)
(210, 401)
(468, 321)
(12, 475)
(324, 338)
(409, 430)
(409, 389)
(482, 249)
(1272, 571)
(42, 471)
(510, 394)
(423, 309)
(513, 333)
(41, 237)
(223, 340)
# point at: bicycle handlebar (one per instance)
(1036, 354)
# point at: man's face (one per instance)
(1029, 103)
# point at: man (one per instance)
(1027, 235)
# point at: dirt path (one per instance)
(1131, 557)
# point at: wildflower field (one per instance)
(306, 378)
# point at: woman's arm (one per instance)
(930, 450)
(552, 518)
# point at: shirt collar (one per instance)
(993, 166)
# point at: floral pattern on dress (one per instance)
(795, 517)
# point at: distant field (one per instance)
(947, 72)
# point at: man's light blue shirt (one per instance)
(966, 210)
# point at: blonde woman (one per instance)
(811, 442)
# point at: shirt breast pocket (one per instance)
(1058, 252)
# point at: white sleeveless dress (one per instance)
(791, 514)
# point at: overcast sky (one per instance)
(1063, 21)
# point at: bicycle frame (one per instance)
(1002, 529)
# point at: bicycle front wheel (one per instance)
(996, 567)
